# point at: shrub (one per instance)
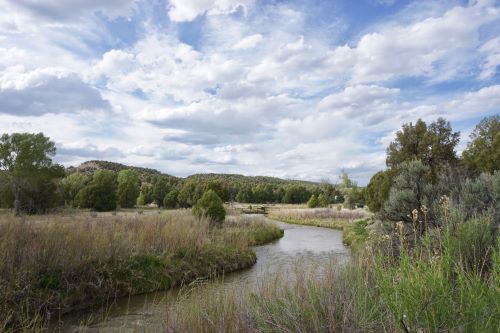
(210, 206)
(323, 200)
(313, 202)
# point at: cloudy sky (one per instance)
(294, 89)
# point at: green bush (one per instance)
(313, 202)
(210, 206)
(323, 200)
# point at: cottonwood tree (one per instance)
(26, 160)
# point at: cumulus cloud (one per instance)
(188, 10)
(46, 91)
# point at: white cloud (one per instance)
(491, 50)
(417, 49)
(248, 42)
(188, 10)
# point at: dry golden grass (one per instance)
(61, 262)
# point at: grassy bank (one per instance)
(447, 282)
(59, 263)
(352, 222)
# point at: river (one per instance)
(314, 245)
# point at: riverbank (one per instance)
(56, 264)
(449, 281)
(353, 223)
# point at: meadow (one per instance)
(53, 264)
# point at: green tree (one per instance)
(100, 193)
(377, 191)
(161, 187)
(72, 184)
(210, 206)
(323, 200)
(170, 201)
(483, 151)
(313, 202)
(218, 187)
(296, 194)
(128, 188)
(245, 194)
(26, 160)
(433, 145)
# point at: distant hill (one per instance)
(90, 167)
(236, 178)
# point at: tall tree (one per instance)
(128, 188)
(26, 159)
(483, 152)
(434, 145)
(377, 191)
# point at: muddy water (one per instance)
(306, 245)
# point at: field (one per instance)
(53, 264)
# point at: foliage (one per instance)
(128, 188)
(72, 184)
(26, 160)
(483, 152)
(434, 145)
(323, 200)
(411, 190)
(100, 193)
(377, 191)
(210, 206)
(170, 201)
(296, 194)
(161, 187)
(313, 202)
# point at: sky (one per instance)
(293, 89)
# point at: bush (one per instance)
(210, 206)
(313, 202)
(323, 200)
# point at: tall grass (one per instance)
(448, 282)
(320, 217)
(56, 264)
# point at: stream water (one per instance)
(305, 244)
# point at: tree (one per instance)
(218, 187)
(161, 187)
(26, 160)
(100, 193)
(245, 194)
(434, 146)
(72, 184)
(296, 194)
(128, 188)
(377, 191)
(210, 206)
(170, 201)
(323, 200)
(483, 152)
(313, 202)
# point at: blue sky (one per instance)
(294, 89)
